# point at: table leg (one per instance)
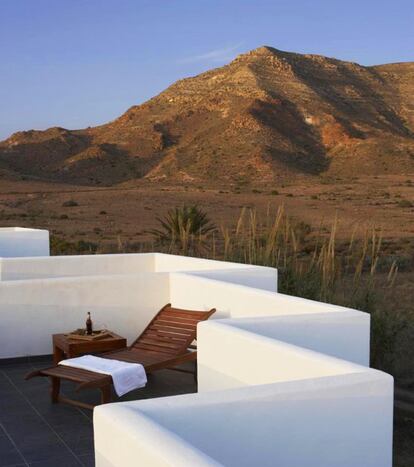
(58, 354)
(55, 389)
(106, 394)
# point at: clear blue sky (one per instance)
(75, 63)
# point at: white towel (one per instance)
(126, 376)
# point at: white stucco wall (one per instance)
(234, 300)
(32, 310)
(53, 294)
(18, 241)
(77, 265)
(282, 380)
(239, 357)
(174, 263)
(87, 265)
(336, 421)
(344, 334)
(253, 276)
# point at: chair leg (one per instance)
(55, 389)
(105, 394)
(195, 372)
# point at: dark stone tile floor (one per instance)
(34, 432)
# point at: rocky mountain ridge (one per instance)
(266, 115)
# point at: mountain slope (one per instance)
(266, 114)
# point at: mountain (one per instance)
(265, 115)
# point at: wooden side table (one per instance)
(68, 347)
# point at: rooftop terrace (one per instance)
(281, 380)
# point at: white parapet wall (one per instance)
(32, 310)
(242, 357)
(75, 266)
(335, 421)
(235, 273)
(20, 242)
(40, 296)
(282, 380)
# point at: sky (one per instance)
(79, 63)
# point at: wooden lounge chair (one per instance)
(165, 343)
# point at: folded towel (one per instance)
(126, 376)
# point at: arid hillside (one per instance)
(266, 115)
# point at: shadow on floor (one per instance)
(34, 432)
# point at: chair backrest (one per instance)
(171, 331)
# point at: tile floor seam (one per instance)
(14, 444)
(44, 420)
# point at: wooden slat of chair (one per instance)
(163, 323)
(183, 313)
(167, 334)
(178, 319)
(154, 348)
(162, 339)
(164, 343)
